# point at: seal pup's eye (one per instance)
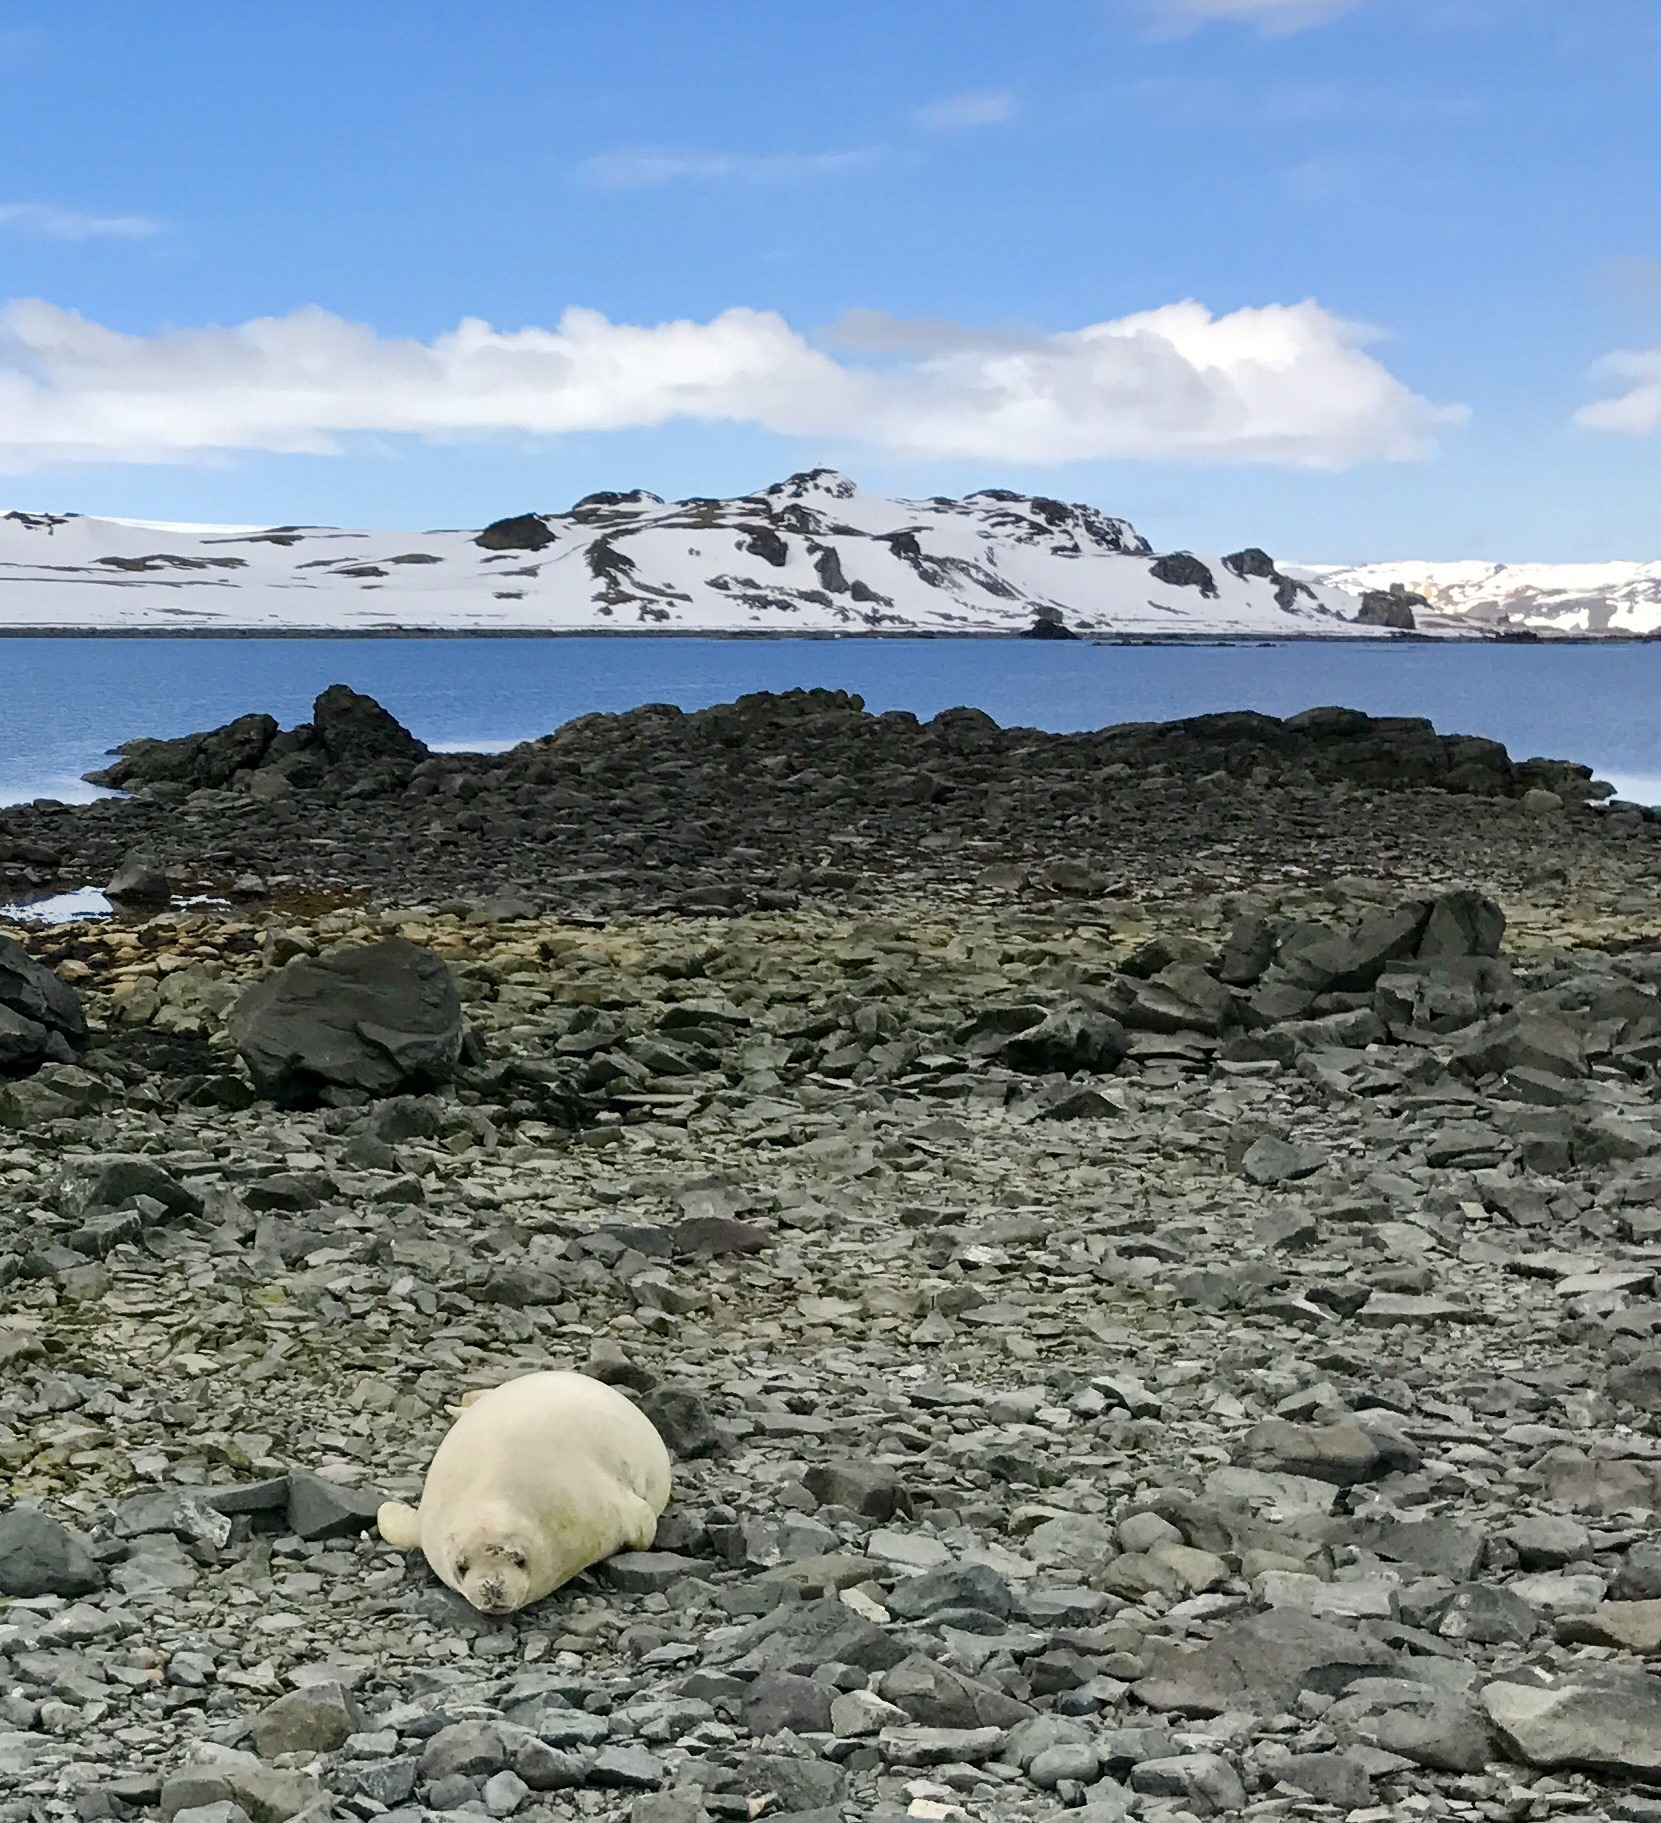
(461, 1566)
(517, 1559)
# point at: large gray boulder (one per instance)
(40, 1556)
(374, 1021)
(40, 1016)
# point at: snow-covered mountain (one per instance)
(1547, 597)
(811, 554)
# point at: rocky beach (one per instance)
(1142, 1246)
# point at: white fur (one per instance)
(535, 1481)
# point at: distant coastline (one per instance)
(989, 636)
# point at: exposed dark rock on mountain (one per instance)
(1258, 563)
(812, 553)
(1183, 571)
(1049, 624)
(524, 532)
(1392, 607)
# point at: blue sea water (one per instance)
(64, 702)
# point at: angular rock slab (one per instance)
(1604, 1721)
(377, 1021)
(40, 1016)
(1262, 1663)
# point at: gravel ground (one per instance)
(1171, 1340)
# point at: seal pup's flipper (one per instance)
(642, 1522)
(399, 1525)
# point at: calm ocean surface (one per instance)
(64, 702)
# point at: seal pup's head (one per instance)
(490, 1566)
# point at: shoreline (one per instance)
(1523, 637)
(734, 633)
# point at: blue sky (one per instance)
(937, 245)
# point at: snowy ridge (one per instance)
(1547, 597)
(811, 554)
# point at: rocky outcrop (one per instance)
(41, 1020)
(1254, 562)
(648, 806)
(522, 532)
(354, 731)
(1392, 607)
(364, 1022)
(192, 760)
(1183, 571)
(1050, 623)
(348, 731)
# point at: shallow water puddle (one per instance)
(86, 902)
(59, 908)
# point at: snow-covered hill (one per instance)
(811, 554)
(1548, 597)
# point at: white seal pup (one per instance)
(536, 1480)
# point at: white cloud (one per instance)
(1275, 17)
(1635, 411)
(652, 167)
(54, 224)
(1284, 384)
(974, 108)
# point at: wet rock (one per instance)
(199, 761)
(140, 880)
